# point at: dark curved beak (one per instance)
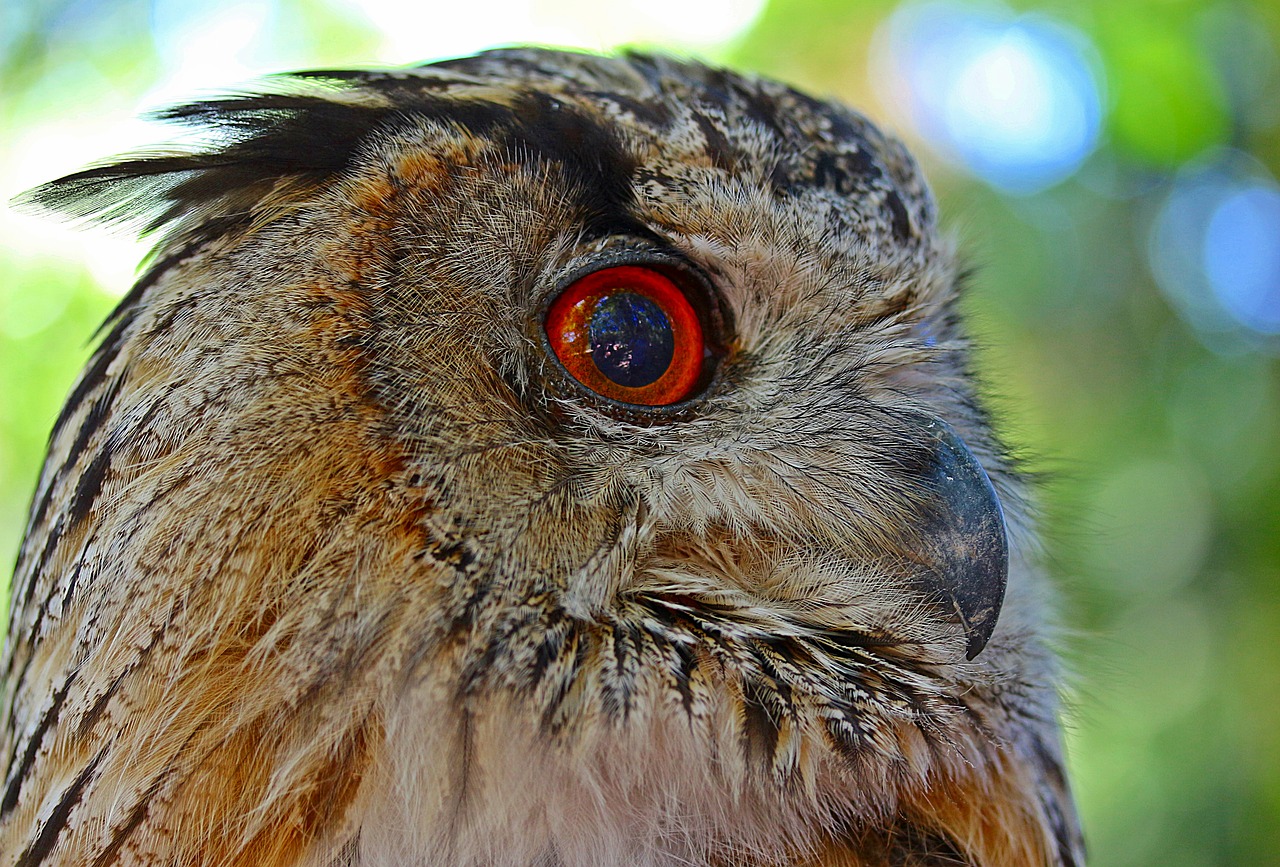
(962, 539)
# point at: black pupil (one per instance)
(631, 339)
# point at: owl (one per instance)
(534, 458)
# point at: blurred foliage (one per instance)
(1163, 513)
(1168, 100)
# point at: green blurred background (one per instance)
(1109, 168)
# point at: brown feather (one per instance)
(332, 563)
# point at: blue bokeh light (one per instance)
(1015, 99)
(1242, 256)
(1215, 249)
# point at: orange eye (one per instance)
(629, 334)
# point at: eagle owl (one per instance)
(529, 459)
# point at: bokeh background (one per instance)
(1110, 167)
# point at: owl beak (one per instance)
(966, 552)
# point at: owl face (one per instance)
(808, 436)
(546, 459)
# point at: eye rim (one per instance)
(571, 320)
(697, 290)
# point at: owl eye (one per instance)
(628, 333)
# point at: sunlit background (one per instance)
(1111, 170)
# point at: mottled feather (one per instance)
(332, 564)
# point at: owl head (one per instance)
(530, 458)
